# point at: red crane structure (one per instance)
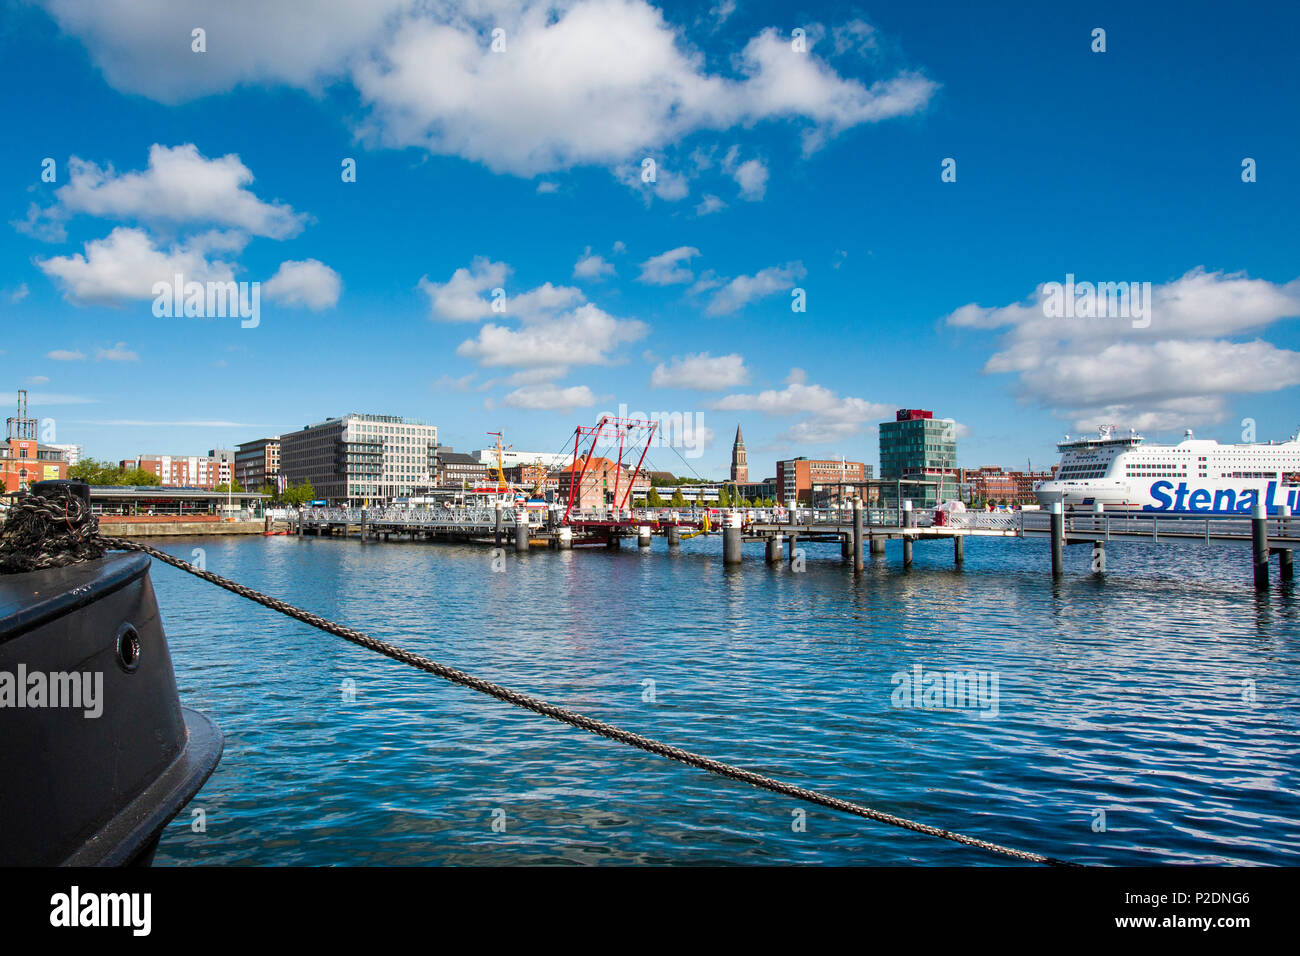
(630, 434)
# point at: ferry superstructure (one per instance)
(1195, 476)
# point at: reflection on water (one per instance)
(1146, 717)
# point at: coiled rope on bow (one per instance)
(54, 511)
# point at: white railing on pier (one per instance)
(430, 519)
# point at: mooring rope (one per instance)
(74, 520)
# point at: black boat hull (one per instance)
(75, 787)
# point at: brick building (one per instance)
(796, 478)
(596, 487)
(992, 483)
(257, 463)
(23, 459)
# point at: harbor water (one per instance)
(1147, 717)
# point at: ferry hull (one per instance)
(1228, 498)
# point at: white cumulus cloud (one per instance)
(701, 371)
(310, 283)
(1177, 366)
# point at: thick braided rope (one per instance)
(538, 706)
(54, 532)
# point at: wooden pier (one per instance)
(857, 529)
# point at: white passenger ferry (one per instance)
(1196, 476)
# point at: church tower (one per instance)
(739, 460)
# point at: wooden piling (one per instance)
(1259, 544)
(1285, 558)
(909, 521)
(1058, 539)
(858, 563)
(959, 549)
(674, 536)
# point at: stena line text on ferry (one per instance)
(1117, 472)
(1218, 501)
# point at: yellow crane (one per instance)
(500, 471)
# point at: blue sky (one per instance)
(824, 170)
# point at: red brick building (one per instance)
(23, 459)
(796, 477)
(598, 484)
(995, 484)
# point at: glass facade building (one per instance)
(918, 447)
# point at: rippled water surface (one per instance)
(1166, 696)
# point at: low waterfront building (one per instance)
(257, 463)
(796, 478)
(707, 493)
(360, 459)
(760, 490)
(917, 447)
(152, 501)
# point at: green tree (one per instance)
(653, 500)
(102, 473)
(295, 496)
(233, 486)
(138, 477)
(678, 501)
(724, 499)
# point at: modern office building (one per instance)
(257, 463)
(920, 449)
(798, 478)
(361, 459)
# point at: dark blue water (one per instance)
(1166, 696)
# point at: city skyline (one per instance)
(377, 295)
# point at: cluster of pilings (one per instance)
(852, 545)
(1260, 550)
